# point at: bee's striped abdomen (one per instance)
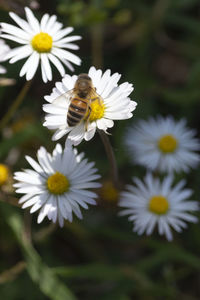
(77, 110)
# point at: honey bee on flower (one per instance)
(81, 98)
(102, 102)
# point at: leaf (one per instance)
(168, 253)
(126, 277)
(39, 272)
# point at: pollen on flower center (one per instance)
(97, 110)
(57, 183)
(167, 143)
(42, 42)
(4, 173)
(158, 205)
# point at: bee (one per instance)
(81, 97)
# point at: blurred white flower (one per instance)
(163, 144)
(43, 41)
(57, 185)
(115, 105)
(158, 203)
(4, 49)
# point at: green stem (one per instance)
(111, 157)
(97, 45)
(15, 105)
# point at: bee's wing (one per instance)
(62, 97)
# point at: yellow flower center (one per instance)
(158, 205)
(97, 110)
(109, 192)
(167, 143)
(57, 184)
(4, 174)
(42, 42)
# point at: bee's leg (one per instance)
(96, 98)
(87, 119)
(99, 100)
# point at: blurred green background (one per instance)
(156, 46)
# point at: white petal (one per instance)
(22, 23)
(43, 22)
(50, 23)
(34, 164)
(15, 31)
(57, 64)
(67, 55)
(89, 134)
(24, 51)
(46, 66)
(28, 65)
(63, 32)
(15, 39)
(30, 202)
(2, 70)
(33, 22)
(34, 61)
(59, 134)
(77, 134)
(68, 40)
(44, 76)
(95, 76)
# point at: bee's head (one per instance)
(83, 82)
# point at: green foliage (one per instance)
(41, 274)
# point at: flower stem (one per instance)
(111, 157)
(97, 45)
(15, 105)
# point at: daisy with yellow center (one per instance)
(154, 203)
(113, 103)
(58, 184)
(42, 42)
(163, 144)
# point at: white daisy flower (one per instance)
(163, 144)
(57, 185)
(43, 41)
(4, 49)
(158, 203)
(114, 105)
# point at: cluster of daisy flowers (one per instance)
(58, 184)
(163, 146)
(60, 181)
